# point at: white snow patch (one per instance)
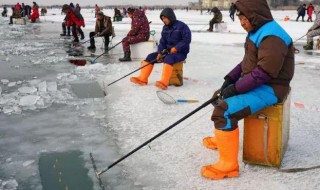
(27, 163)
(29, 100)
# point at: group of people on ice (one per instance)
(261, 79)
(302, 9)
(19, 11)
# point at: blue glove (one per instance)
(229, 91)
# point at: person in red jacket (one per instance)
(18, 7)
(97, 9)
(310, 10)
(74, 19)
(34, 15)
(140, 32)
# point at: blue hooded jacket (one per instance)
(177, 34)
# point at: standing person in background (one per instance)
(117, 15)
(78, 8)
(310, 11)
(232, 11)
(74, 19)
(5, 11)
(176, 39)
(124, 12)
(65, 29)
(217, 18)
(97, 9)
(301, 12)
(140, 32)
(35, 5)
(23, 10)
(103, 28)
(35, 13)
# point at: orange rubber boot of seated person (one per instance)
(145, 72)
(227, 166)
(210, 142)
(166, 74)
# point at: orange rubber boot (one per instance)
(210, 142)
(166, 74)
(142, 79)
(227, 166)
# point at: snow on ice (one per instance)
(133, 114)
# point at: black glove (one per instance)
(229, 91)
(216, 96)
(227, 82)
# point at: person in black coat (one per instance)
(232, 11)
(301, 12)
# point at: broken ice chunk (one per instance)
(42, 86)
(4, 81)
(11, 84)
(52, 86)
(27, 90)
(29, 100)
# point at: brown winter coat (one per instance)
(273, 55)
(105, 25)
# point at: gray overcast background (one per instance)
(101, 2)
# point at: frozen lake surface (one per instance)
(40, 113)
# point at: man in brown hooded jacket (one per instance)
(260, 80)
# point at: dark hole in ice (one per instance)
(87, 90)
(64, 170)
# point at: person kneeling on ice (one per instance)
(176, 39)
(74, 19)
(34, 15)
(103, 29)
(140, 32)
(260, 80)
(313, 31)
(217, 18)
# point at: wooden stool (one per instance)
(266, 135)
(176, 78)
(20, 21)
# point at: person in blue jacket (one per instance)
(175, 39)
